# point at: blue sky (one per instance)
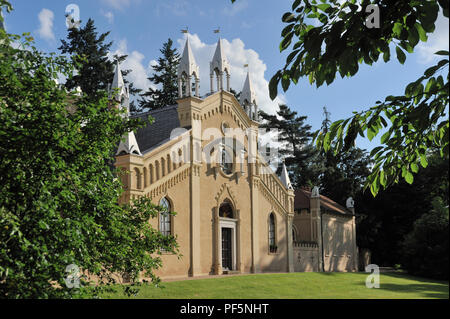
(251, 32)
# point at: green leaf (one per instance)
(422, 34)
(385, 137)
(382, 178)
(423, 160)
(288, 17)
(400, 55)
(273, 85)
(323, 6)
(414, 168)
(409, 178)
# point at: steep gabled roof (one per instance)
(157, 133)
(303, 197)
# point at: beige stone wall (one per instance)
(306, 258)
(338, 243)
(196, 189)
(303, 225)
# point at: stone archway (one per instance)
(226, 243)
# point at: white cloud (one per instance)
(437, 41)
(133, 62)
(119, 4)
(45, 30)
(233, 8)
(237, 56)
(108, 15)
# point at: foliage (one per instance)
(94, 69)
(59, 203)
(338, 43)
(165, 76)
(295, 139)
(426, 246)
(344, 174)
(384, 221)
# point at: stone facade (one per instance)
(200, 159)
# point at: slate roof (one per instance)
(302, 200)
(157, 133)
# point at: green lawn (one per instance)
(296, 286)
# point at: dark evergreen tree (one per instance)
(165, 78)
(343, 174)
(236, 94)
(384, 221)
(296, 149)
(89, 52)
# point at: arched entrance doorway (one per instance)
(227, 226)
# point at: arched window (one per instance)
(164, 217)
(163, 167)
(137, 175)
(151, 173)
(272, 237)
(294, 234)
(169, 163)
(226, 161)
(145, 177)
(226, 210)
(157, 170)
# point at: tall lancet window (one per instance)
(226, 160)
(164, 217)
(272, 234)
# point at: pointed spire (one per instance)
(129, 145)
(285, 178)
(218, 66)
(118, 83)
(187, 69)
(187, 61)
(248, 95)
(220, 61)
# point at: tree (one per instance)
(295, 139)
(94, 69)
(384, 221)
(426, 246)
(342, 174)
(59, 204)
(330, 37)
(165, 76)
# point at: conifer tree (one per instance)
(89, 52)
(165, 78)
(342, 174)
(295, 138)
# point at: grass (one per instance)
(296, 286)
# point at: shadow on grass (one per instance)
(428, 288)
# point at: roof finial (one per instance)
(285, 177)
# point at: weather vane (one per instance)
(185, 30)
(217, 30)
